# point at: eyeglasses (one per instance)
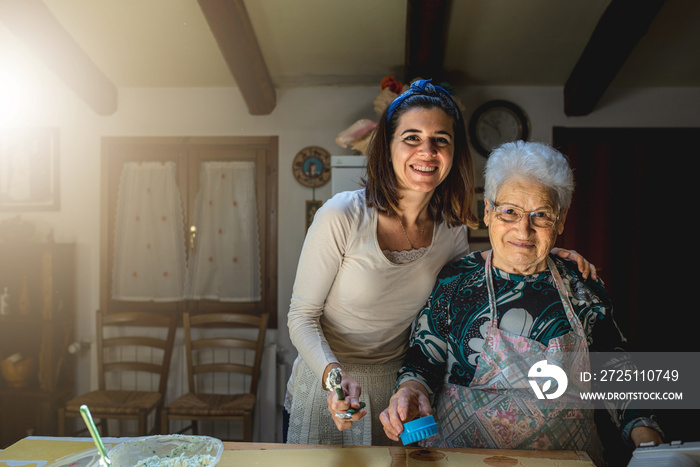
(511, 214)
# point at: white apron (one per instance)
(310, 422)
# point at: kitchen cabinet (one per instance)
(36, 329)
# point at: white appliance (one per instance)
(674, 454)
(347, 172)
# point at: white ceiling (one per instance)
(168, 43)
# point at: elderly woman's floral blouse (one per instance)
(449, 332)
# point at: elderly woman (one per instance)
(494, 314)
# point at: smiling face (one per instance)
(520, 247)
(422, 149)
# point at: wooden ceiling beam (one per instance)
(230, 24)
(620, 28)
(426, 37)
(34, 24)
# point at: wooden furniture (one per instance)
(401, 456)
(38, 325)
(291, 455)
(120, 339)
(204, 357)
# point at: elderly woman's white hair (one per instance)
(534, 161)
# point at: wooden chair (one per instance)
(120, 348)
(207, 403)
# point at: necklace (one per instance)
(406, 235)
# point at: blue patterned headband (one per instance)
(421, 86)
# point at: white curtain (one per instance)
(225, 263)
(149, 249)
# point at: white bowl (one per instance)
(167, 451)
(86, 458)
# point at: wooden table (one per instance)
(434, 457)
(36, 451)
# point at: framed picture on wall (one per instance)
(481, 233)
(311, 208)
(29, 169)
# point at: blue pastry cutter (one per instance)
(418, 429)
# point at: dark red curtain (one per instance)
(635, 214)
(629, 217)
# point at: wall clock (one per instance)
(496, 122)
(311, 166)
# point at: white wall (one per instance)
(657, 107)
(302, 117)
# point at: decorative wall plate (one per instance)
(312, 166)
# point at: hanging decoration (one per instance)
(312, 166)
(311, 208)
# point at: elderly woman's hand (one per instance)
(584, 266)
(409, 402)
(338, 408)
(643, 434)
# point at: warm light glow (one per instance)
(17, 93)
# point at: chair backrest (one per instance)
(135, 341)
(203, 349)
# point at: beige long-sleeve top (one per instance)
(349, 302)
